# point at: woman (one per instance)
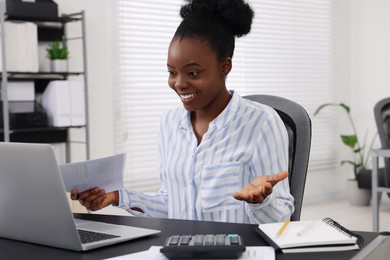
(217, 151)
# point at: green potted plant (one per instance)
(58, 54)
(360, 154)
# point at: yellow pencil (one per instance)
(282, 228)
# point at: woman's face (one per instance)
(196, 75)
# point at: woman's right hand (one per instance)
(96, 198)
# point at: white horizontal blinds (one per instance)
(143, 31)
(288, 53)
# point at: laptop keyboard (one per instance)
(91, 236)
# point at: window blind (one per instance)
(289, 53)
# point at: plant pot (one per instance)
(59, 65)
(356, 196)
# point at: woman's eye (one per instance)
(193, 74)
(171, 73)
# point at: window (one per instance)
(288, 53)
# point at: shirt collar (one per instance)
(222, 119)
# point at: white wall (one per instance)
(370, 58)
(98, 36)
(330, 183)
(363, 60)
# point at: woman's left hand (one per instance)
(258, 189)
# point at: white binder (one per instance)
(21, 45)
(56, 101)
(64, 102)
(77, 103)
(21, 91)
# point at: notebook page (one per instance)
(318, 233)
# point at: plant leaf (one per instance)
(322, 106)
(58, 50)
(349, 140)
(348, 162)
(343, 105)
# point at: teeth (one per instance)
(187, 96)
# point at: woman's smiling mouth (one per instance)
(187, 97)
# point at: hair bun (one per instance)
(237, 14)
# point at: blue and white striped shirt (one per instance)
(245, 141)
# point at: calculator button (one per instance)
(220, 239)
(185, 240)
(209, 240)
(198, 240)
(174, 240)
(234, 240)
(203, 246)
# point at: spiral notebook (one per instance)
(310, 236)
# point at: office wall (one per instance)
(363, 59)
(363, 62)
(98, 20)
(330, 183)
(370, 58)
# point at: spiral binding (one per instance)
(343, 230)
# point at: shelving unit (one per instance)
(49, 30)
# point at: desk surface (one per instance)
(10, 249)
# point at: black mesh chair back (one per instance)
(382, 119)
(298, 125)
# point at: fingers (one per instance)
(267, 190)
(260, 188)
(253, 196)
(92, 199)
(88, 193)
(74, 195)
(97, 203)
(273, 179)
(238, 196)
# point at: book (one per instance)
(310, 236)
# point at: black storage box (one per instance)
(24, 114)
(40, 9)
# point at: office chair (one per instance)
(381, 183)
(298, 125)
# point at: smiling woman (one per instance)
(222, 157)
(198, 78)
(288, 53)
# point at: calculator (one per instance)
(203, 246)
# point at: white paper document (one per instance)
(252, 252)
(105, 173)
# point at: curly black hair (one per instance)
(217, 22)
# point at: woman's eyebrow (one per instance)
(192, 64)
(187, 65)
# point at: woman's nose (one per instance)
(181, 82)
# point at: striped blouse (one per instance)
(197, 181)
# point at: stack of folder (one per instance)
(21, 47)
(64, 102)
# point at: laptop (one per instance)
(34, 205)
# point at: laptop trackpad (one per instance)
(121, 230)
(96, 226)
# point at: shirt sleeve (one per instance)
(152, 204)
(271, 157)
